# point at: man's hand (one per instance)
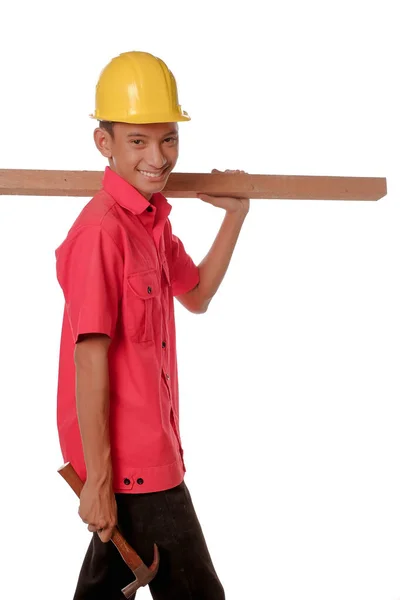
(98, 508)
(231, 205)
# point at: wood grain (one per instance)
(27, 182)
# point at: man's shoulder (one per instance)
(99, 210)
(99, 213)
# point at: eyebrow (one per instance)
(143, 135)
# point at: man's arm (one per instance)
(215, 264)
(97, 500)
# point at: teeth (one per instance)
(148, 174)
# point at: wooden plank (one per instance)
(185, 185)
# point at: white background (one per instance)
(290, 382)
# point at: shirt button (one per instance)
(149, 209)
(149, 290)
(167, 376)
(140, 481)
(164, 344)
(127, 481)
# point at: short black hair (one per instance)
(108, 126)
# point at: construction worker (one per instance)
(118, 411)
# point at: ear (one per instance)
(103, 142)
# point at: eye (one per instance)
(137, 142)
(173, 139)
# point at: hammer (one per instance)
(142, 573)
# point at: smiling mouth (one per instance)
(153, 174)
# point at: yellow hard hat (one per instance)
(137, 87)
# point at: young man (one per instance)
(118, 411)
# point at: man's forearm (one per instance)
(92, 401)
(214, 266)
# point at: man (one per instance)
(118, 409)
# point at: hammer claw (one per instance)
(143, 575)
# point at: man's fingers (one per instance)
(105, 534)
(99, 526)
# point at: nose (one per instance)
(156, 158)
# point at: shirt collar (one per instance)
(129, 197)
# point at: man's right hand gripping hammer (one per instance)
(143, 574)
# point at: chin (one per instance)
(149, 190)
(159, 187)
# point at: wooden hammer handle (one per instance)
(129, 555)
(68, 472)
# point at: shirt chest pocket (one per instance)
(142, 305)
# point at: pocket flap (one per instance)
(145, 284)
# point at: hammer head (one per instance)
(143, 575)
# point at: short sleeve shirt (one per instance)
(119, 268)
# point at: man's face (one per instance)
(143, 155)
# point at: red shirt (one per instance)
(119, 268)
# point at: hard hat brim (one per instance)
(142, 119)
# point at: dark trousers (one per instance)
(167, 518)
